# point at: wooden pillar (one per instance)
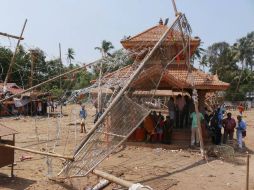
(201, 99)
(247, 171)
(12, 165)
(196, 104)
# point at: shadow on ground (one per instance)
(15, 183)
(200, 162)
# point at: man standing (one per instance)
(229, 125)
(171, 109)
(194, 128)
(83, 115)
(241, 127)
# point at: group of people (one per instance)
(158, 128)
(181, 114)
(229, 124)
(214, 123)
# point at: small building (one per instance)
(30, 103)
(180, 75)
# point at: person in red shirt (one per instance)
(241, 109)
(229, 125)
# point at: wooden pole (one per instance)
(175, 9)
(60, 59)
(36, 152)
(12, 165)
(13, 58)
(11, 36)
(121, 92)
(247, 171)
(34, 54)
(47, 81)
(195, 98)
(112, 178)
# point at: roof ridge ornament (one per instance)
(160, 21)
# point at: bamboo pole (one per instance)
(36, 152)
(119, 95)
(195, 98)
(112, 178)
(47, 81)
(175, 9)
(247, 171)
(11, 36)
(61, 64)
(13, 57)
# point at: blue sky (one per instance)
(83, 24)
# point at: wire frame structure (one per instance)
(123, 111)
(121, 121)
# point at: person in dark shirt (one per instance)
(229, 125)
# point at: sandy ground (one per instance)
(161, 168)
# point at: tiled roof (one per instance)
(13, 88)
(177, 75)
(153, 34)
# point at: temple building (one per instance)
(180, 77)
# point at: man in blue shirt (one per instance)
(83, 115)
(241, 127)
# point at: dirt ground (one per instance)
(160, 167)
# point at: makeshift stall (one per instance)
(7, 136)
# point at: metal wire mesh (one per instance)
(118, 124)
(127, 114)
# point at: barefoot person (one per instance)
(241, 128)
(83, 115)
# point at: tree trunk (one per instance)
(239, 81)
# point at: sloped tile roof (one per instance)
(177, 75)
(13, 88)
(153, 34)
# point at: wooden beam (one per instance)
(13, 57)
(111, 134)
(175, 9)
(195, 99)
(247, 171)
(11, 36)
(112, 178)
(36, 152)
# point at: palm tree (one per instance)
(106, 46)
(240, 50)
(70, 54)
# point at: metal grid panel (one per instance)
(118, 124)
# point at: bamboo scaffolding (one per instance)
(11, 36)
(14, 56)
(49, 80)
(122, 91)
(36, 152)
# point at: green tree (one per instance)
(70, 55)
(105, 48)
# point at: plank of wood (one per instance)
(37, 152)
